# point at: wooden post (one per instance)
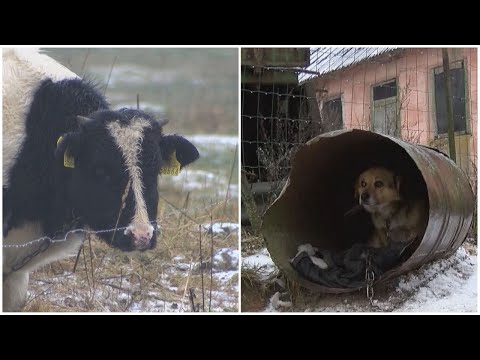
(250, 205)
(448, 98)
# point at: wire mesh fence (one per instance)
(292, 95)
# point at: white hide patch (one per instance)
(15, 283)
(23, 70)
(32, 231)
(129, 140)
(19, 236)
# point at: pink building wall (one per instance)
(415, 68)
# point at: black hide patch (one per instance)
(37, 186)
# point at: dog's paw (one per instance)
(319, 262)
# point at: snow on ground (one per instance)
(225, 273)
(451, 290)
(165, 290)
(127, 75)
(447, 285)
(214, 140)
(260, 261)
(221, 227)
(226, 261)
(189, 180)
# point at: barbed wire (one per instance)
(331, 73)
(87, 231)
(294, 96)
(53, 241)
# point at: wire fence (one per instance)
(176, 211)
(292, 95)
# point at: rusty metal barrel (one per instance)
(320, 188)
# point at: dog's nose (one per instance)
(365, 196)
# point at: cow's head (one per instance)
(115, 158)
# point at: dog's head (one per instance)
(376, 188)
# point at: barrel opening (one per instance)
(320, 193)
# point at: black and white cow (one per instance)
(70, 162)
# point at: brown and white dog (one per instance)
(395, 219)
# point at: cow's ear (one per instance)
(177, 149)
(66, 149)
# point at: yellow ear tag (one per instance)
(68, 160)
(172, 167)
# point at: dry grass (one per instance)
(250, 243)
(256, 287)
(158, 280)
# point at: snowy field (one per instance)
(146, 282)
(447, 285)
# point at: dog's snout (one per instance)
(365, 196)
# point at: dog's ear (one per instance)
(356, 195)
(396, 182)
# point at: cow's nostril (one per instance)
(141, 244)
(141, 236)
(365, 196)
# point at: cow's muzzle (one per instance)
(141, 235)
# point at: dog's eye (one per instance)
(363, 183)
(378, 184)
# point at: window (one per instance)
(332, 115)
(457, 79)
(385, 108)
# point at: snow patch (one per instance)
(446, 285)
(214, 140)
(261, 261)
(452, 288)
(221, 228)
(189, 180)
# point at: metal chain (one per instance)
(387, 228)
(370, 274)
(42, 248)
(369, 277)
(45, 243)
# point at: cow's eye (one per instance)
(378, 184)
(363, 183)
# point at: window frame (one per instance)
(438, 70)
(332, 98)
(372, 106)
